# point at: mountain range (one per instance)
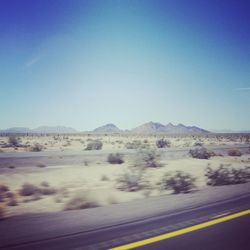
(152, 127)
(155, 127)
(147, 128)
(41, 130)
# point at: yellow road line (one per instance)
(181, 231)
(220, 215)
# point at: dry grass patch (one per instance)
(31, 190)
(81, 201)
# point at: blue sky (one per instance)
(87, 63)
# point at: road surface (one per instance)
(229, 234)
(62, 158)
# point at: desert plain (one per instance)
(56, 172)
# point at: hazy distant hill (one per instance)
(41, 130)
(108, 128)
(16, 130)
(154, 127)
(228, 131)
(54, 129)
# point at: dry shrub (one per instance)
(9, 195)
(105, 178)
(234, 152)
(36, 148)
(41, 165)
(81, 201)
(134, 145)
(2, 212)
(227, 176)
(33, 190)
(115, 158)
(94, 145)
(12, 202)
(179, 182)
(44, 184)
(130, 181)
(3, 190)
(162, 143)
(47, 190)
(201, 153)
(28, 189)
(13, 141)
(134, 178)
(147, 159)
(62, 194)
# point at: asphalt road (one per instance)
(232, 234)
(229, 235)
(60, 158)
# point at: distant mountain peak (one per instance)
(181, 125)
(108, 128)
(170, 124)
(155, 127)
(149, 127)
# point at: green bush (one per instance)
(115, 158)
(179, 182)
(162, 143)
(227, 176)
(94, 145)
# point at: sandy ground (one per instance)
(97, 181)
(117, 141)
